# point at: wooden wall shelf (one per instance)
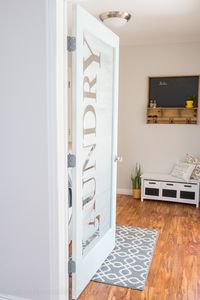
(172, 115)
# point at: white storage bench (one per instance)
(168, 188)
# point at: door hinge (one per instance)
(71, 266)
(71, 43)
(71, 160)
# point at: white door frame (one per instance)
(56, 20)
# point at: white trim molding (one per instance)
(57, 146)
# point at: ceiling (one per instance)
(153, 21)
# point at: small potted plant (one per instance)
(190, 101)
(136, 182)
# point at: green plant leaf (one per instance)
(136, 177)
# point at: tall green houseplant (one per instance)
(136, 182)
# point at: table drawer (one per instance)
(188, 191)
(169, 185)
(169, 190)
(188, 187)
(152, 184)
(151, 189)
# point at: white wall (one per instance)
(156, 147)
(25, 235)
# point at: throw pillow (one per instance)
(190, 159)
(183, 171)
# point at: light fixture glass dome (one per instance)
(115, 19)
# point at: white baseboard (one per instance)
(124, 191)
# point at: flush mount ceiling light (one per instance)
(115, 18)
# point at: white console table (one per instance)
(168, 188)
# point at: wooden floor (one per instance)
(175, 269)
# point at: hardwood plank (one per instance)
(175, 269)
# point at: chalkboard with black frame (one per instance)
(173, 91)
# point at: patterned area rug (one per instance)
(128, 264)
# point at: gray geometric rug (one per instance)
(129, 262)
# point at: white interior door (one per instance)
(95, 145)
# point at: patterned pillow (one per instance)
(190, 159)
(183, 171)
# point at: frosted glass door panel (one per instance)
(97, 138)
(95, 67)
